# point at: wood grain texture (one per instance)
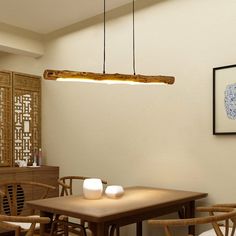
(5, 223)
(216, 215)
(44, 174)
(135, 199)
(15, 193)
(26, 110)
(20, 105)
(55, 74)
(6, 118)
(19, 188)
(136, 205)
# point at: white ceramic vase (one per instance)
(114, 191)
(92, 188)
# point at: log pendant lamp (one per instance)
(66, 75)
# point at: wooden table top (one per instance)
(135, 200)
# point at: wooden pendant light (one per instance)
(67, 75)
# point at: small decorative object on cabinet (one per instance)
(224, 100)
(20, 117)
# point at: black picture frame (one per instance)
(224, 100)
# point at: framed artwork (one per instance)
(224, 100)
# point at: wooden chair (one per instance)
(61, 225)
(67, 183)
(6, 223)
(215, 217)
(14, 195)
(223, 226)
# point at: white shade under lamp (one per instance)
(92, 188)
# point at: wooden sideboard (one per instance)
(42, 174)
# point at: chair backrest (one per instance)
(5, 223)
(217, 215)
(15, 193)
(66, 184)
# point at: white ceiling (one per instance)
(45, 16)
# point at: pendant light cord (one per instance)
(134, 70)
(104, 37)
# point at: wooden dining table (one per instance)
(136, 205)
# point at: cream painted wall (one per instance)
(138, 135)
(18, 41)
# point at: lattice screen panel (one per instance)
(20, 117)
(27, 116)
(5, 118)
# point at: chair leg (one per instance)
(65, 229)
(83, 231)
(53, 227)
(77, 229)
(114, 229)
(117, 231)
(59, 227)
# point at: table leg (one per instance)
(139, 228)
(44, 227)
(190, 213)
(99, 229)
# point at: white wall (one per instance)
(18, 41)
(156, 136)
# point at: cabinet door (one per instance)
(5, 118)
(26, 116)
(43, 174)
(46, 176)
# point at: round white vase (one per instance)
(114, 191)
(92, 188)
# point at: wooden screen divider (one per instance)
(20, 117)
